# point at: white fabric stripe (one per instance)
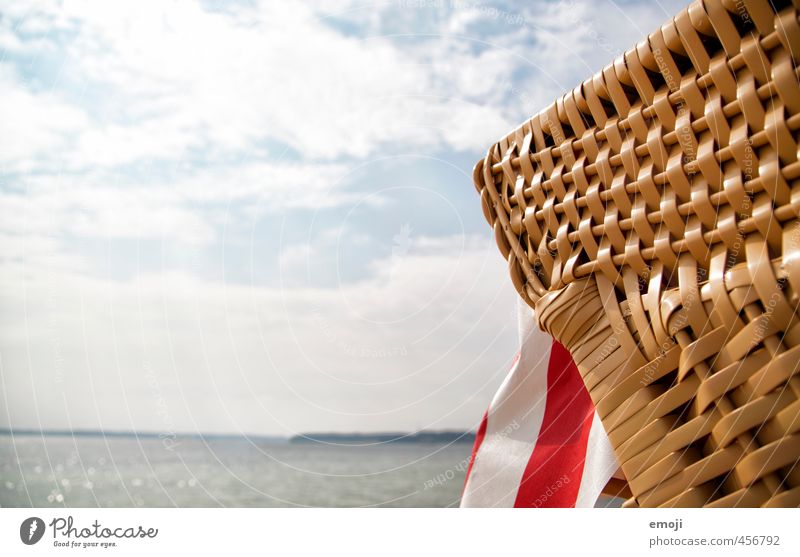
(513, 424)
(600, 465)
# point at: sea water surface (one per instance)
(96, 471)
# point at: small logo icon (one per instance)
(31, 530)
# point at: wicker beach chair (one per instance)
(651, 218)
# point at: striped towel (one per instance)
(540, 444)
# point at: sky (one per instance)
(258, 217)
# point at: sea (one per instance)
(45, 470)
(125, 471)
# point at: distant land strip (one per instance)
(398, 437)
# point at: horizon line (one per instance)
(230, 435)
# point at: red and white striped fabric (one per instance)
(540, 444)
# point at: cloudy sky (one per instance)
(258, 217)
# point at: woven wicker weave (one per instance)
(650, 216)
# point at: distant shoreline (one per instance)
(448, 436)
(136, 434)
(398, 437)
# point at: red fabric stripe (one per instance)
(553, 474)
(477, 445)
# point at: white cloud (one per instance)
(36, 126)
(228, 357)
(167, 78)
(189, 209)
(173, 123)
